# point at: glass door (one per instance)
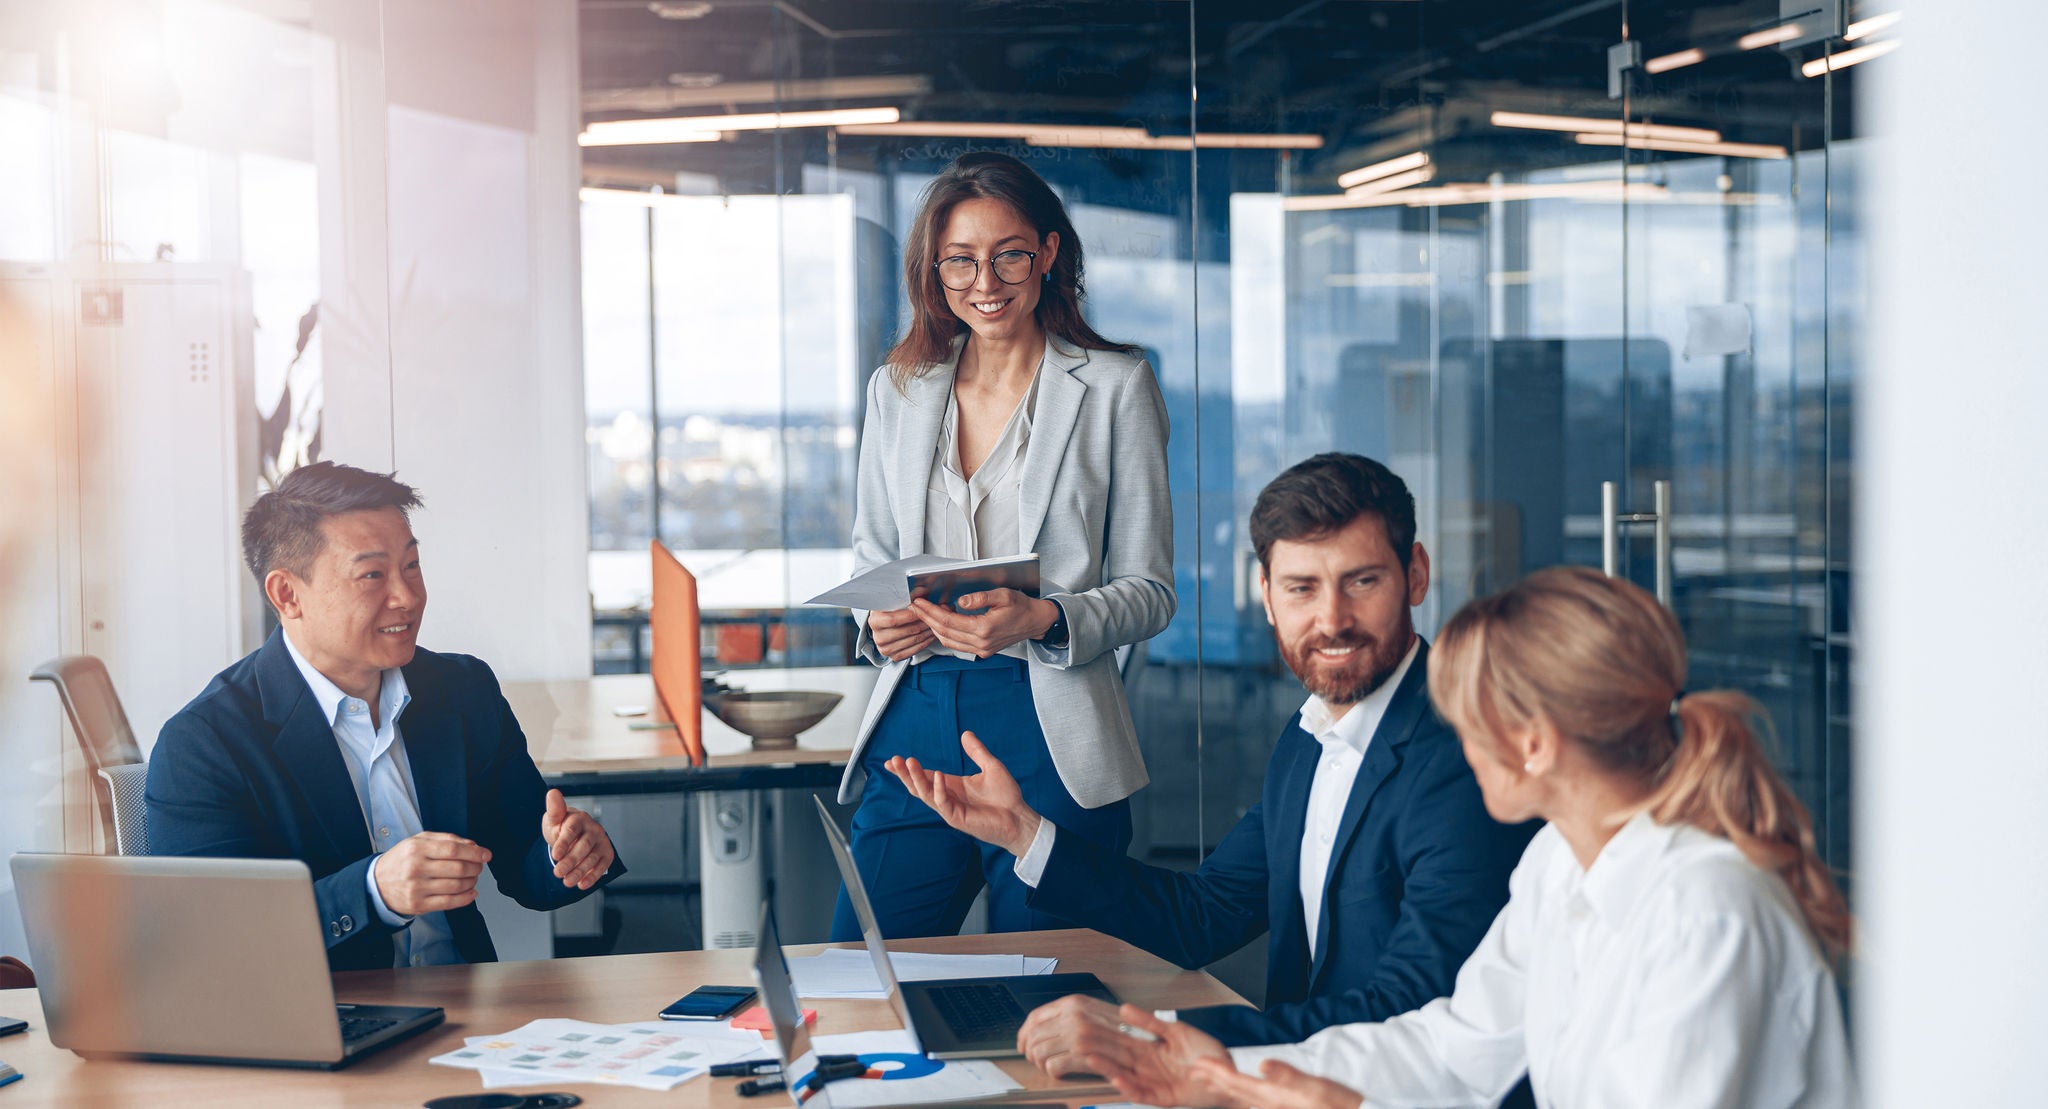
(1725, 152)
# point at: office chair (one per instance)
(131, 817)
(102, 727)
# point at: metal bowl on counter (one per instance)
(774, 717)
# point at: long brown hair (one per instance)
(1604, 663)
(933, 326)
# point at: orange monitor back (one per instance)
(678, 646)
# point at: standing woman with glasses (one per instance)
(1003, 424)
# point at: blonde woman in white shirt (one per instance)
(1668, 938)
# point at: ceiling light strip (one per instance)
(1536, 122)
(1377, 170)
(1864, 28)
(1730, 149)
(649, 132)
(1393, 183)
(1849, 57)
(1770, 36)
(1678, 60)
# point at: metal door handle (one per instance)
(1611, 520)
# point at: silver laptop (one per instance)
(800, 1062)
(213, 960)
(956, 1018)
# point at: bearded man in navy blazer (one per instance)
(1369, 862)
(395, 774)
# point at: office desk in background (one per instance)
(499, 997)
(584, 750)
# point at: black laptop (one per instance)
(955, 1018)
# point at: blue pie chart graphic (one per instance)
(890, 1068)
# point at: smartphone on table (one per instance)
(710, 1003)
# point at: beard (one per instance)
(1359, 674)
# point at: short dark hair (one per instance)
(1322, 495)
(282, 529)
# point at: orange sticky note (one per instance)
(756, 1020)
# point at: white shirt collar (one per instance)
(1356, 727)
(392, 695)
(1625, 867)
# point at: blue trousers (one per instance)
(921, 875)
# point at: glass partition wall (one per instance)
(1523, 253)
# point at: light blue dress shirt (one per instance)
(382, 776)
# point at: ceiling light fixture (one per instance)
(1377, 170)
(1769, 37)
(1603, 126)
(1478, 192)
(943, 129)
(1078, 135)
(1849, 57)
(1730, 149)
(1392, 182)
(1678, 60)
(1864, 28)
(679, 9)
(1232, 140)
(650, 132)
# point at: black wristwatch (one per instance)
(1055, 637)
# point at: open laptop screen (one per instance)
(870, 931)
(785, 1013)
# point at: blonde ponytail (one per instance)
(1720, 780)
(1603, 662)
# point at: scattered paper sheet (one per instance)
(917, 1081)
(656, 1055)
(843, 973)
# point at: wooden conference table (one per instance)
(499, 997)
(586, 750)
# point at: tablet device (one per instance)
(946, 585)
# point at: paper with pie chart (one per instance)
(898, 1075)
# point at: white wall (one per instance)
(440, 135)
(1952, 762)
(468, 116)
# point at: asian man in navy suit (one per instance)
(1369, 862)
(395, 774)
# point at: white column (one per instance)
(1952, 457)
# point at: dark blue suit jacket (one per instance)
(1417, 874)
(249, 769)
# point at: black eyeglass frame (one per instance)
(971, 282)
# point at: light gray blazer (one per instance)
(1093, 505)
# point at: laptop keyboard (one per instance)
(978, 1012)
(357, 1029)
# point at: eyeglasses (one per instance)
(960, 272)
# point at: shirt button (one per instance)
(355, 706)
(384, 832)
(419, 960)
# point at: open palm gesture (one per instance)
(987, 806)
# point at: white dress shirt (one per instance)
(382, 777)
(1344, 740)
(1672, 973)
(977, 517)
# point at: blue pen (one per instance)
(8, 1075)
